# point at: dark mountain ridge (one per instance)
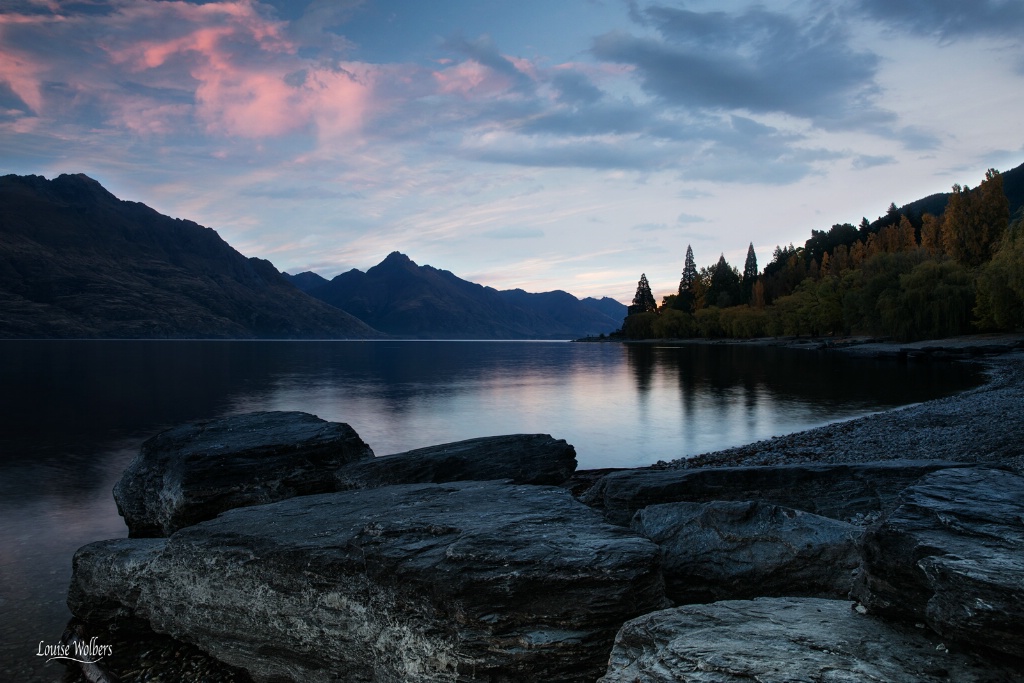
(401, 298)
(76, 261)
(935, 204)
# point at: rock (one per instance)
(521, 458)
(839, 491)
(782, 640)
(952, 555)
(733, 550)
(193, 472)
(426, 582)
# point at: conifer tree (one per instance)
(689, 272)
(750, 267)
(724, 285)
(643, 300)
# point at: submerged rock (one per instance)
(462, 581)
(193, 472)
(952, 555)
(781, 640)
(733, 550)
(839, 491)
(520, 458)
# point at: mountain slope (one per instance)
(399, 297)
(75, 261)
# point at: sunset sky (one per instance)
(539, 144)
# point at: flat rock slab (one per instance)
(451, 582)
(786, 640)
(952, 555)
(730, 550)
(520, 458)
(839, 491)
(193, 472)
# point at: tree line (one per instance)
(907, 277)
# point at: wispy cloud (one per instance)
(756, 60)
(950, 19)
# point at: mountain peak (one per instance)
(79, 187)
(397, 258)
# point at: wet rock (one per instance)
(193, 472)
(839, 491)
(520, 458)
(426, 582)
(952, 555)
(781, 640)
(733, 550)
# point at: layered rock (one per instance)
(520, 458)
(839, 491)
(780, 640)
(461, 581)
(193, 472)
(952, 555)
(732, 550)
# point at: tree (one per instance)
(975, 220)
(643, 300)
(750, 267)
(724, 289)
(1000, 288)
(689, 272)
(930, 235)
(907, 236)
(749, 275)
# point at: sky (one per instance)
(533, 144)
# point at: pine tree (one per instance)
(643, 300)
(750, 267)
(724, 289)
(689, 272)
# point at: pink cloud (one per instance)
(22, 75)
(239, 64)
(471, 78)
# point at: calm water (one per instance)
(73, 413)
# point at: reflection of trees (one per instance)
(723, 373)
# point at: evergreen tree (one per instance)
(750, 267)
(725, 285)
(643, 300)
(689, 272)
(749, 275)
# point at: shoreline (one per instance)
(979, 425)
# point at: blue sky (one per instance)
(523, 143)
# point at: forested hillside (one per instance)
(911, 274)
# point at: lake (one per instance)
(73, 414)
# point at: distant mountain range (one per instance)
(401, 298)
(77, 262)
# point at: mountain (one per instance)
(401, 298)
(306, 281)
(76, 261)
(935, 204)
(607, 305)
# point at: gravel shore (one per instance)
(981, 425)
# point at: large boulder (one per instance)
(195, 471)
(520, 458)
(738, 549)
(782, 640)
(426, 582)
(952, 555)
(840, 491)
